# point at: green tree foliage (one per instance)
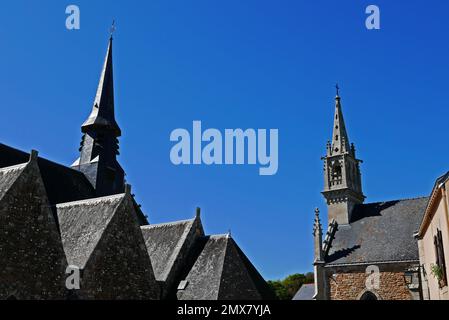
(287, 288)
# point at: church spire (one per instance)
(340, 139)
(99, 145)
(102, 114)
(342, 178)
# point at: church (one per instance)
(369, 250)
(84, 217)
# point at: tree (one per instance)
(287, 288)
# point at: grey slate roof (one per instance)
(82, 224)
(164, 242)
(62, 184)
(379, 232)
(306, 292)
(8, 176)
(223, 272)
(205, 276)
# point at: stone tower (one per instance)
(342, 178)
(99, 145)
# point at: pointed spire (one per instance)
(102, 114)
(318, 237)
(317, 223)
(99, 145)
(340, 139)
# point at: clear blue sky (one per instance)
(237, 64)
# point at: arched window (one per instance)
(368, 295)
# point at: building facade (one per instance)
(368, 249)
(57, 222)
(433, 242)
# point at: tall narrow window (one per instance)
(441, 262)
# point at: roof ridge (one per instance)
(178, 247)
(90, 200)
(222, 262)
(160, 225)
(404, 199)
(219, 236)
(42, 158)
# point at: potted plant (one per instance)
(437, 272)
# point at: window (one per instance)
(439, 253)
(336, 171)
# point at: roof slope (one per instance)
(379, 232)
(62, 184)
(82, 224)
(205, 276)
(164, 243)
(223, 272)
(8, 176)
(306, 292)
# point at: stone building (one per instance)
(85, 217)
(368, 249)
(433, 242)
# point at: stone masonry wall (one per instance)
(351, 285)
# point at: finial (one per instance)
(338, 90)
(33, 155)
(128, 189)
(317, 223)
(112, 29)
(198, 212)
(229, 233)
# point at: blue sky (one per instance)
(237, 64)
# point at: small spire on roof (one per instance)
(112, 29)
(33, 155)
(128, 189)
(317, 222)
(198, 212)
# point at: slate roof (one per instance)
(62, 184)
(8, 176)
(223, 272)
(306, 292)
(164, 242)
(213, 266)
(379, 232)
(82, 224)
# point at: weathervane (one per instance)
(112, 28)
(338, 89)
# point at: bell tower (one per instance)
(342, 178)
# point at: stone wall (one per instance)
(351, 286)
